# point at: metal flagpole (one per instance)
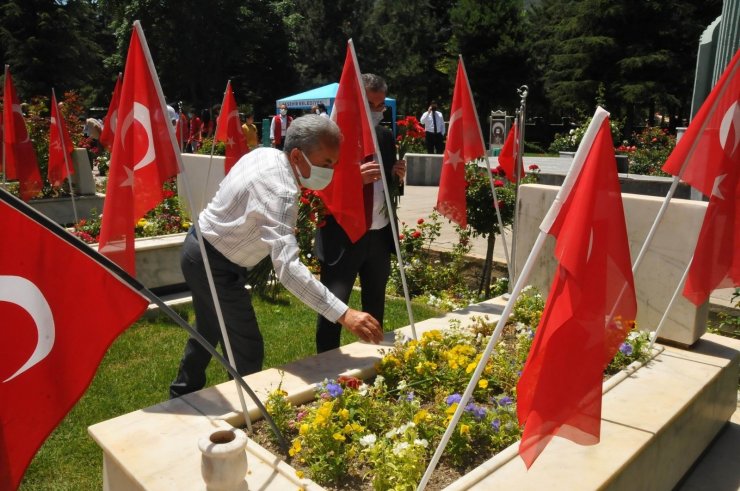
(490, 174)
(388, 203)
(66, 157)
(523, 91)
(135, 285)
(188, 196)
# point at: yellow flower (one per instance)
(470, 367)
(299, 474)
(344, 414)
(296, 448)
(422, 415)
(357, 427)
(303, 429)
(464, 429)
(141, 223)
(339, 437)
(483, 383)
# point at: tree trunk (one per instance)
(488, 267)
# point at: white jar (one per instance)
(224, 460)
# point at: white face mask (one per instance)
(320, 176)
(283, 112)
(377, 117)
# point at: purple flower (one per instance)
(410, 396)
(496, 423)
(334, 390)
(626, 349)
(478, 412)
(505, 401)
(518, 373)
(454, 398)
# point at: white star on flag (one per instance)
(715, 189)
(453, 158)
(129, 182)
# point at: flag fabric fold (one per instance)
(464, 143)
(510, 153)
(60, 147)
(111, 117)
(343, 197)
(229, 130)
(708, 158)
(20, 157)
(590, 308)
(143, 155)
(49, 352)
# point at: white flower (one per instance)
(362, 390)
(379, 381)
(399, 447)
(421, 442)
(401, 385)
(368, 440)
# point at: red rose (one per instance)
(416, 234)
(420, 221)
(498, 183)
(350, 382)
(401, 236)
(534, 167)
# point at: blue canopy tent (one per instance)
(325, 95)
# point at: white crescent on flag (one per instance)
(140, 113)
(730, 121)
(25, 294)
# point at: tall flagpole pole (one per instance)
(490, 174)
(212, 284)
(121, 275)
(66, 157)
(388, 204)
(189, 197)
(523, 91)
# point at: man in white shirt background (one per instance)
(434, 127)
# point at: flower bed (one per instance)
(380, 434)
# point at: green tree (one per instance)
(52, 44)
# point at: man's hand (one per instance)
(370, 172)
(362, 325)
(399, 169)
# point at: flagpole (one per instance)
(188, 196)
(519, 163)
(388, 204)
(209, 276)
(526, 270)
(490, 174)
(66, 157)
(121, 275)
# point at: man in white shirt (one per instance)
(252, 216)
(434, 127)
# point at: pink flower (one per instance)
(498, 183)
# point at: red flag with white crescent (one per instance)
(229, 130)
(111, 117)
(464, 143)
(48, 351)
(510, 154)
(708, 158)
(60, 147)
(20, 157)
(143, 157)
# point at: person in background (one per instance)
(279, 127)
(434, 127)
(322, 109)
(370, 257)
(250, 132)
(253, 216)
(195, 135)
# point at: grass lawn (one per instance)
(139, 366)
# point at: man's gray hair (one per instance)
(309, 132)
(374, 83)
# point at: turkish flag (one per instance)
(60, 147)
(143, 157)
(229, 130)
(510, 153)
(111, 117)
(50, 347)
(708, 158)
(344, 195)
(591, 305)
(20, 157)
(464, 143)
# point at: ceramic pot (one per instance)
(224, 460)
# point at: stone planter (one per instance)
(224, 460)
(660, 418)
